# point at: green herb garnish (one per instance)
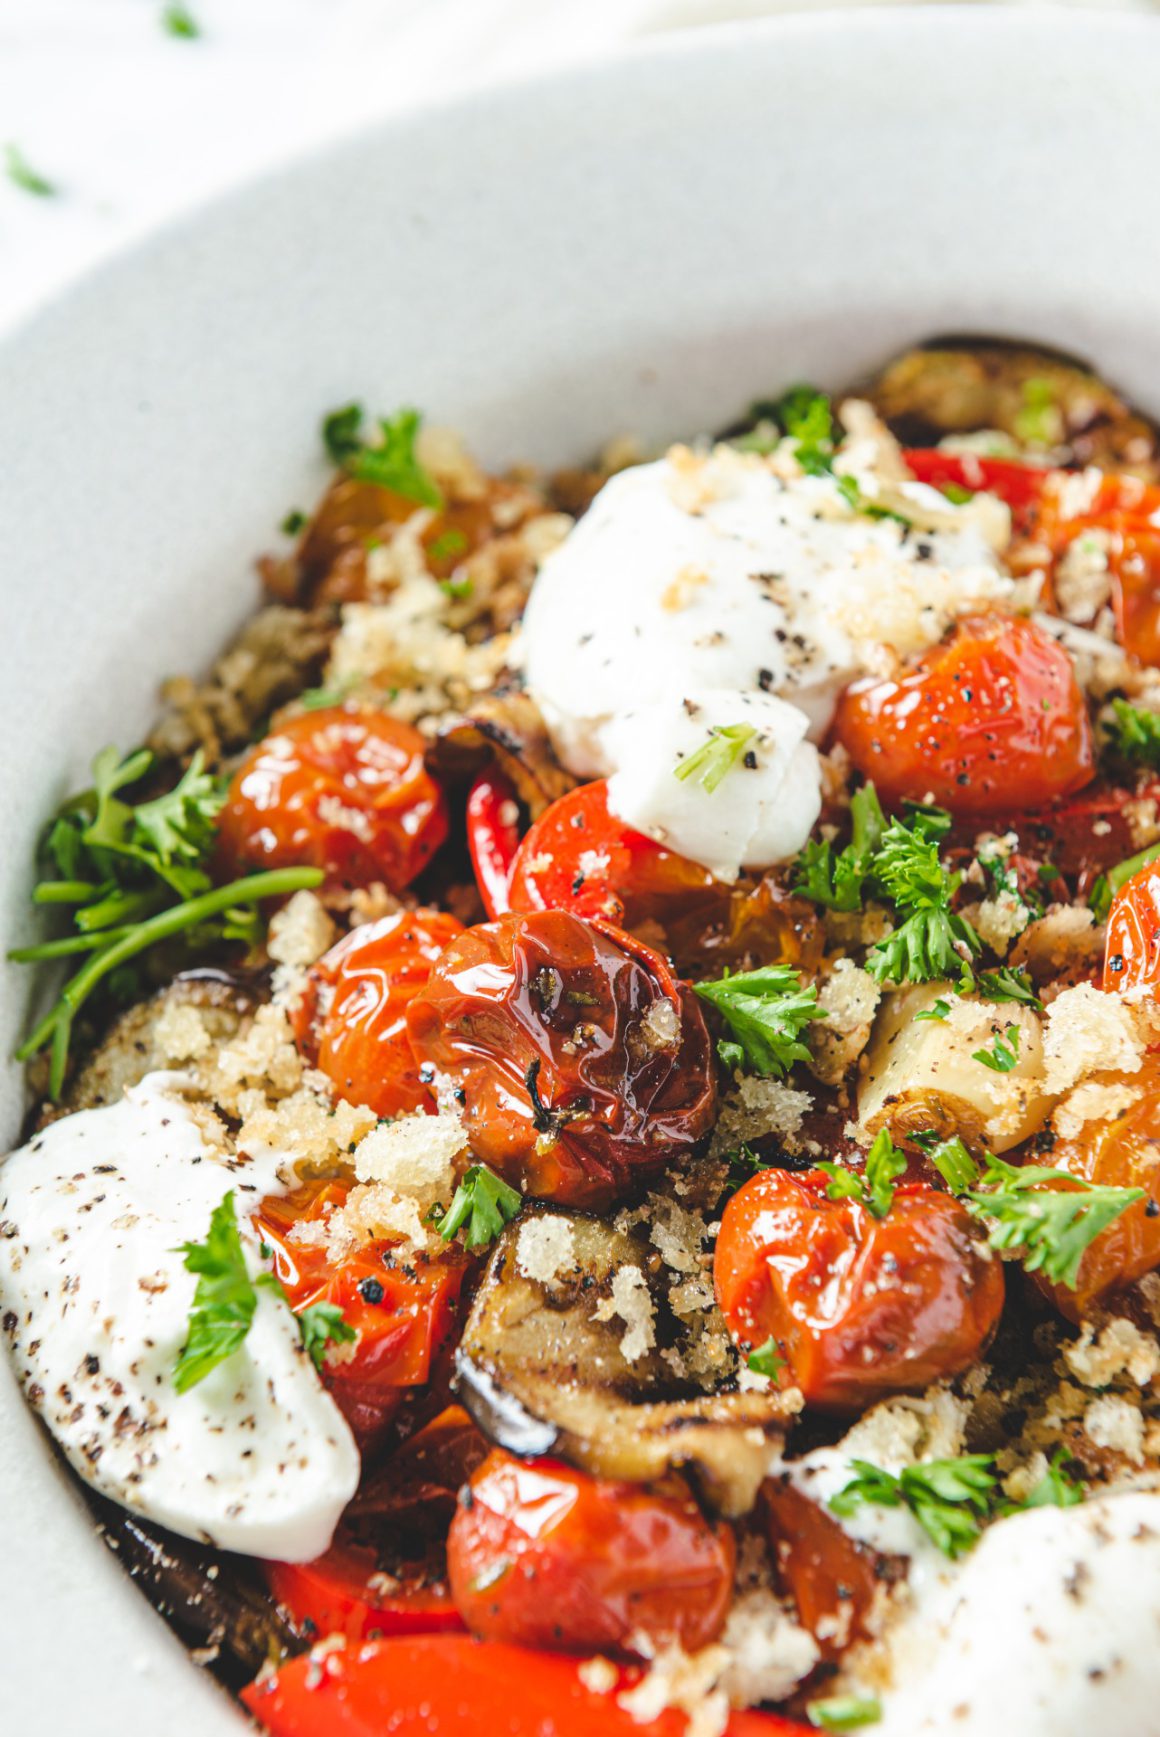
(21, 174)
(948, 1498)
(1052, 1228)
(321, 1325)
(836, 881)
(1134, 735)
(939, 1011)
(958, 1169)
(223, 1303)
(709, 764)
(179, 21)
(1003, 1053)
(874, 1187)
(392, 463)
(843, 1712)
(1007, 985)
(765, 1011)
(481, 1206)
(766, 1359)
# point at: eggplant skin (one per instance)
(540, 1374)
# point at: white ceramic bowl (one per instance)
(643, 244)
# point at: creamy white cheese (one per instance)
(707, 590)
(1046, 1628)
(95, 1303)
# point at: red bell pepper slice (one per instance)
(493, 837)
(453, 1686)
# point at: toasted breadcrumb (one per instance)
(756, 1107)
(1093, 1101)
(1112, 1422)
(300, 932)
(631, 1299)
(1088, 1031)
(848, 1000)
(1119, 1348)
(999, 920)
(546, 1247)
(404, 1168)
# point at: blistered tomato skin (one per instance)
(1132, 949)
(1116, 1151)
(833, 1580)
(547, 1556)
(860, 1306)
(989, 722)
(585, 1068)
(342, 790)
(351, 1021)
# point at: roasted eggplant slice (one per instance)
(507, 727)
(581, 1365)
(1038, 398)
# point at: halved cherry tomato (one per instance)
(1132, 948)
(585, 1067)
(860, 1306)
(403, 1311)
(1117, 1151)
(1020, 485)
(834, 1580)
(453, 1686)
(386, 1571)
(351, 1020)
(992, 720)
(579, 857)
(493, 837)
(339, 789)
(1125, 509)
(547, 1556)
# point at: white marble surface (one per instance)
(131, 124)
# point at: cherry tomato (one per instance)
(833, 1579)
(404, 1312)
(1020, 485)
(493, 837)
(341, 790)
(1132, 948)
(546, 1556)
(1117, 1151)
(859, 1306)
(992, 720)
(1124, 509)
(351, 1020)
(386, 1571)
(450, 1686)
(585, 1068)
(579, 857)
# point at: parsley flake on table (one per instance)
(179, 21)
(480, 1207)
(765, 1011)
(21, 174)
(711, 763)
(392, 463)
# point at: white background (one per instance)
(131, 123)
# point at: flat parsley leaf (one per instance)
(1051, 1226)
(948, 1498)
(765, 1011)
(481, 1206)
(885, 1163)
(392, 463)
(323, 1324)
(21, 174)
(843, 1712)
(709, 764)
(933, 941)
(836, 881)
(223, 1302)
(1133, 734)
(766, 1359)
(1007, 985)
(1055, 1489)
(958, 1169)
(1003, 1053)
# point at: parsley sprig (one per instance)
(765, 1011)
(1133, 734)
(1051, 1227)
(225, 1302)
(1008, 985)
(392, 463)
(836, 880)
(933, 941)
(874, 1187)
(1003, 1053)
(480, 1207)
(712, 762)
(949, 1498)
(132, 874)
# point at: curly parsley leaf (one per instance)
(1051, 1227)
(391, 463)
(1056, 1489)
(321, 1325)
(765, 1011)
(1003, 1053)
(711, 763)
(933, 941)
(1133, 735)
(223, 1302)
(480, 1207)
(948, 1498)
(1007, 985)
(885, 1163)
(836, 880)
(843, 1712)
(928, 946)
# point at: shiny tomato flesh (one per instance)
(345, 1592)
(338, 789)
(1020, 485)
(452, 1686)
(1123, 509)
(493, 837)
(351, 1020)
(584, 1067)
(991, 720)
(404, 1311)
(579, 857)
(546, 1556)
(1132, 948)
(833, 1579)
(860, 1306)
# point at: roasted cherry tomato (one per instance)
(493, 837)
(860, 1306)
(579, 857)
(386, 1571)
(1020, 485)
(585, 1068)
(834, 1580)
(1116, 1151)
(547, 1556)
(1132, 949)
(991, 721)
(404, 1311)
(1123, 510)
(351, 1021)
(342, 790)
(450, 1686)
